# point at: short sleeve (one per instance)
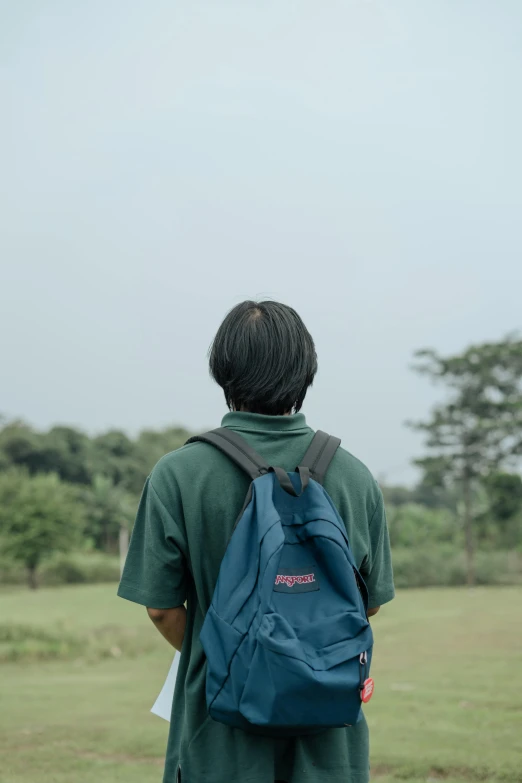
(155, 572)
(377, 570)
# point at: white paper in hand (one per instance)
(163, 704)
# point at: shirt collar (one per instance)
(258, 422)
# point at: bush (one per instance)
(499, 568)
(418, 527)
(80, 568)
(444, 566)
(74, 568)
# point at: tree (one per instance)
(128, 462)
(61, 450)
(502, 520)
(77, 458)
(505, 495)
(65, 451)
(108, 508)
(413, 526)
(39, 515)
(20, 445)
(112, 456)
(479, 428)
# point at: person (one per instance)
(264, 359)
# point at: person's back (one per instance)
(187, 515)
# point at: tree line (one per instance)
(62, 490)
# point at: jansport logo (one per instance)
(293, 581)
(290, 581)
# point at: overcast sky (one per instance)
(161, 161)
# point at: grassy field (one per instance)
(448, 703)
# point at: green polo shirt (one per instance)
(187, 513)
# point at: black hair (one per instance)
(264, 358)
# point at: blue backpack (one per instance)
(287, 639)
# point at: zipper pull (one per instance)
(367, 684)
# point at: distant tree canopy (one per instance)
(77, 458)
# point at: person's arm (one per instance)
(373, 612)
(170, 623)
(155, 573)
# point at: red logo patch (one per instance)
(290, 581)
(367, 690)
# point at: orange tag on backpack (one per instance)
(367, 690)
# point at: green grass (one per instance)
(448, 702)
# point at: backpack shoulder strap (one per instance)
(320, 454)
(237, 449)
